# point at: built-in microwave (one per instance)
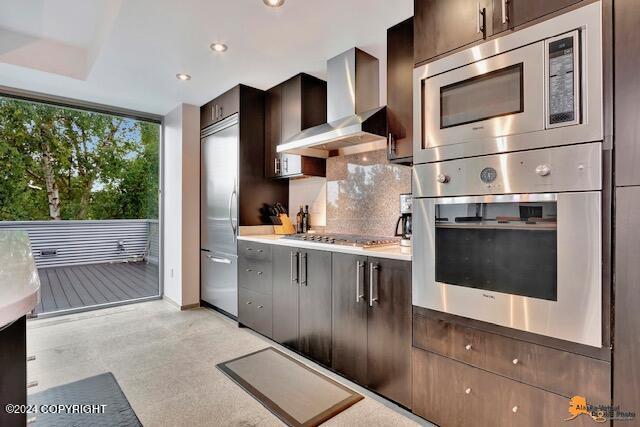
(513, 239)
(537, 87)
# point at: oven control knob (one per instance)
(442, 178)
(543, 170)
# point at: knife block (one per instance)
(286, 227)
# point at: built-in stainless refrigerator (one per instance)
(219, 215)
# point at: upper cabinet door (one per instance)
(441, 26)
(400, 91)
(273, 130)
(508, 14)
(220, 108)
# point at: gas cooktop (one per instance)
(346, 239)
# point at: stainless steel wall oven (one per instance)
(513, 239)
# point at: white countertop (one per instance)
(19, 281)
(391, 252)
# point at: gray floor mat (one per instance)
(102, 389)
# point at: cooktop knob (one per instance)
(442, 178)
(543, 170)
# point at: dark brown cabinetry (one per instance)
(286, 328)
(450, 393)
(372, 323)
(441, 26)
(13, 371)
(254, 189)
(302, 301)
(626, 372)
(400, 91)
(558, 371)
(255, 287)
(349, 335)
(315, 305)
(290, 107)
(254, 311)
(509, 14)
(627, 92)
(220, 108)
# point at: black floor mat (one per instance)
(102, 389)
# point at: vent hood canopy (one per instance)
(354, 115)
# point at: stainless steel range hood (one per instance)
(355, 120)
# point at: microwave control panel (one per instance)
(562, 80)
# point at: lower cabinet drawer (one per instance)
(255, 275)
(555, 370)
(255, 311)
(451, 393)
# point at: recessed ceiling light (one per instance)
(273, 3)
(218, 47)
(182, 76)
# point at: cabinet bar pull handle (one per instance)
(32, 384)
(31, 358)
(291, 274)
(372, 298)
(505, 16)
(302, 258)
(359, 265)
(480, 24)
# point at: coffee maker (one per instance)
(404, 220)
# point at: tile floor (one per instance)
(164, 360)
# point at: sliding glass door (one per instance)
(85, 186)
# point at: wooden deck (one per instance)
(78, 286)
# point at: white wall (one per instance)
(182, 205)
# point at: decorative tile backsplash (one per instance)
(363, 193)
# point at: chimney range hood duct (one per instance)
(354, 115)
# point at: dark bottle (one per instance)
(306, 223)
(299, 217)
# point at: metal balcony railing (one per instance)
(67, 243)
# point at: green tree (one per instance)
(61, 163)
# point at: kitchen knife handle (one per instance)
(359, 295)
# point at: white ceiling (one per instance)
(126, 53)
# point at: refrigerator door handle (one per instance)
(231, 197)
